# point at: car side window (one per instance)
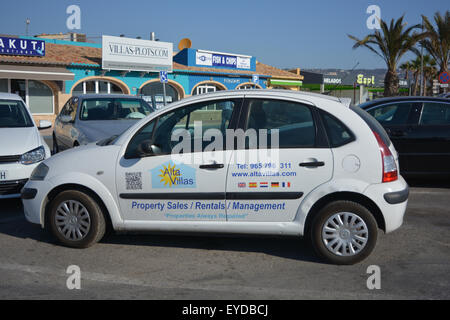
(65, 108)
(72, 108)
(434, 113)
(337, 132)
(392, 114)
(294, 122)
(193, 118)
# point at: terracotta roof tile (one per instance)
(57, 54)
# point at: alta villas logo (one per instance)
(171, 175)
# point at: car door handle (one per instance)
(212, 166)
(312, 164)
(398, 133)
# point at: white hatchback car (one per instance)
(21, 145)
(329, 172)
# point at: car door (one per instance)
(268, 180)
(64, 125)
(399, 119)
(59, 126)
(430, 137)
(181, 179)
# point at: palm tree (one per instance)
(437, 41)
(415, 68)
(390, 44)
(406, 67)
(429, 71)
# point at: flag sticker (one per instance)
(241, 185)
(275, 184)
(263, 184)
(252, 184)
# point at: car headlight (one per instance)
(33, 156)
(40, 172)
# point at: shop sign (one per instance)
(22, 47)
(213, 59)
(332, 80)
(129, 54)
(365, 80)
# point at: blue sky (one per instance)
(282, 33)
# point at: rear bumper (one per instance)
(397, 196)
(392, 199)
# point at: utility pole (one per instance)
(27, 24)
(421, 66)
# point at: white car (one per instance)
(333, 175)
(21, 145)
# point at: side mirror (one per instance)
(44, 124)
(146, 148)
(65, 119)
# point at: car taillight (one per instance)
(390, 172)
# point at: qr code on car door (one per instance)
(133, 180)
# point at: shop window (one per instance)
(37, 95)
(97, 87)
(3, 85)
(153, 93)
(40, 97)
(206, 88)
(248, 87)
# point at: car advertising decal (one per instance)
(171, 175)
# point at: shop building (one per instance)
(52, 70)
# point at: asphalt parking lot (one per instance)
(414, 262)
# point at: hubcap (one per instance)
(345, 234)
(72, 220)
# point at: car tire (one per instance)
(344, 232)
(76, 219)
(55, 148)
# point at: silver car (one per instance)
(93, 117)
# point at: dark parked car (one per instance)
(93, 117)
(419, 127)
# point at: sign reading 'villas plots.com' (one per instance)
(129, 54)
(22, 47)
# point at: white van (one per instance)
(21, 146)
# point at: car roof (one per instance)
(259, 93)
(398, 99)
(106, 95)
(10, 96)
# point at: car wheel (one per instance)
(344, 232)
(55, 148)
(76, 219)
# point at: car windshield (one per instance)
(114, 109)
(13, 114)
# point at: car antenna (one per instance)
(339, 84)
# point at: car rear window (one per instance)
(114, 109)
(373, 124)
